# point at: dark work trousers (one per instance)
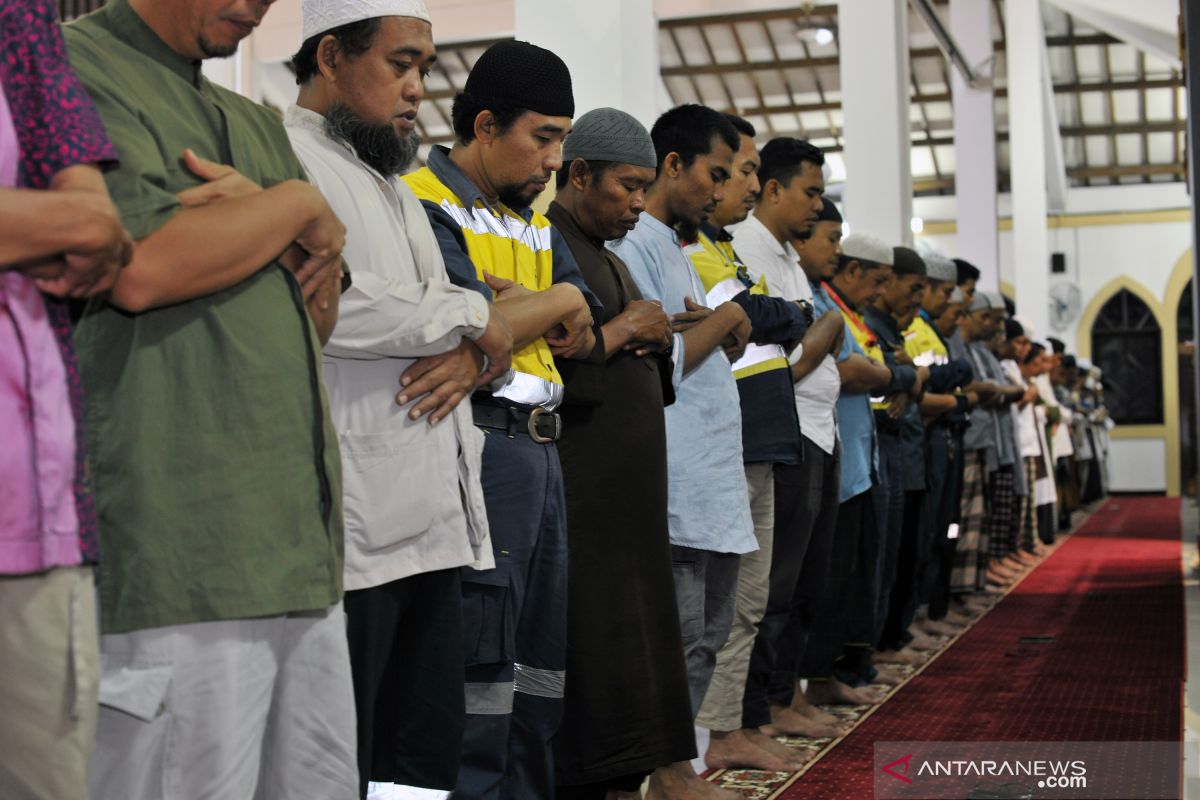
(902, 607)
(889, 515)
(937, 466)
(514, 624)
(946, 512)
(854, 667)
(1045, 523)
(406, 657)
(706, 595)
(845, 609)
(806, 502)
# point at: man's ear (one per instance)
(578, 174)
(328, 57)
(672, 165)
(772, 191)
(486, 126)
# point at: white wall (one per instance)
(1138, 465)
(1095, 255)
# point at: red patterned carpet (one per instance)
(1111, 598)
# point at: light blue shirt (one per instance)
(855, 419)
(708, 503)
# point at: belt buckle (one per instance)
(533, 432)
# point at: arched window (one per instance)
(1127, 345)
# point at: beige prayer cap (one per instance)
(325, 15)
(867, 247)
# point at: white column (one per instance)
(1027, 158)
(873, 38)
(975, 142)
(611, 49)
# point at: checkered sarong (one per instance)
(966, 575)
(1029, 504)
(1000, 526)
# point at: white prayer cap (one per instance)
(325, 15)
(937, 266)
(867, 247)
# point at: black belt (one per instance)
(539, 424)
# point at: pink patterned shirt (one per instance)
(39, 526)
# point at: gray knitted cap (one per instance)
(608, 134)
(940, 268)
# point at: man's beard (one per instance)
(214, 50)
(517, 197)
(378, 146)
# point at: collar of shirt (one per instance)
(314, 123)
(566, 223)
(781, 250)
(125, 24)
(715, 233)
(885, 322)
(449, 173)
(654, 225)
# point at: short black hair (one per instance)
(906, 261)
(1069, 362)
(1013, 329)
(1035, 350)
(355, 38)
(1057, 345)
(467, 107)
(595, 168)
(783, 159)
(741, 126)
(689, 130)
(966, 271)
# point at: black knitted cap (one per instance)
(522, 75)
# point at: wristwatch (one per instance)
(806, 308)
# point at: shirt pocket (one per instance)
(395, 484)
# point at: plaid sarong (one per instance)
(1000, 527)
(967, 575)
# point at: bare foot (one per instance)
(801, 705)
(796, 758)
(922, 642)
(905, 656)
(680, 782)
(957, 618)
(835, 693)
(786, 722)
(888, 677)
(935, 628)
(1001, 569)
(998, 578)
(1014, 563)
(737, 750)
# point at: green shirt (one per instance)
(218, 481)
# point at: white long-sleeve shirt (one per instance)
(413, 500)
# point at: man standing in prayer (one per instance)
(509, 124)
(218, 479)
(770, 438)
(627, 710)
(414, 504)
(61, 236)
(789, 175)
(708, 508)
(842, 630)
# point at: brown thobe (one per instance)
(627, 707)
